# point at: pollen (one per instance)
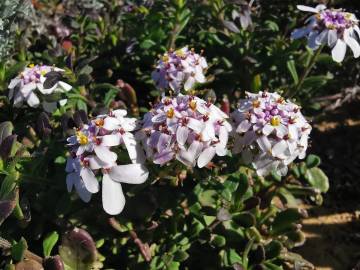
(192, 105)
(81, 138)
(256, 104)
(99, 122)
(275, 121)
(170, 113)
(31, 65)
(43, 72)
(165, 58)
(179, 53)
(280, 100)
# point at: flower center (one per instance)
(99, 122)
(170, 113)
(192, 105)
(333, 19)
(82, 138)
(275, 121)
(256, 104)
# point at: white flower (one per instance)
(185, 128)
(91, 155)
(270, 132)
(179, 69)
(333, 27)
(22, 88)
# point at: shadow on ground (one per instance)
(333, 230)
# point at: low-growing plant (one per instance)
(109, 93)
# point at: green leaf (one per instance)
(81, 105)
(218, 240)
(312, 161)
(273, 249)
(208, 198)
(317, 179)
(18, 250)
(110, 96)
(245, 219)
(78, 250)
(15, 70)
(315, 82)
(256, 84)
(7, 186)
(7, 206)
(147, 44)
(285, 219)
(233, 257)
(49, 243)
(6, 129)
(292, 69)
(181, 256)
(173, 266)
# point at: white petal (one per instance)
(281, 131)
(352, 43)
(199, 76)
(307, 8)
(206, 156)
(90, 181)
(105, 154)
(189, 83)
(134, 149)
(243, 126)
(221, 150)
(28, 88)
(33, 100)
(113, 199)
(14, 82)
(131, 173)
(279, 149)
(312, 40)
(223, 136)
(95, 163)
(71, 178)
(111, 123)
(44, 91)
(299, 33)
(63, 102)
(119, 113)
(182, 134)
(208, 133)
(65, 86)
(267, 129)
(322, 38)
(339, 51)
(264, 143)
(110, 140)
(195, 125)
(320, 7)
(18, 99)
(332, 38)
(83, 193)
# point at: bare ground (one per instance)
(333, 230)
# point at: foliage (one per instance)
(224, 216)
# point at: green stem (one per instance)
(306, 73)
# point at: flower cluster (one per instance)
(333, 27)
(44, 78)
(91, 154)
(185, 128)
(179, 69)
(270, 132)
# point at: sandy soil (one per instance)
(333, 230)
